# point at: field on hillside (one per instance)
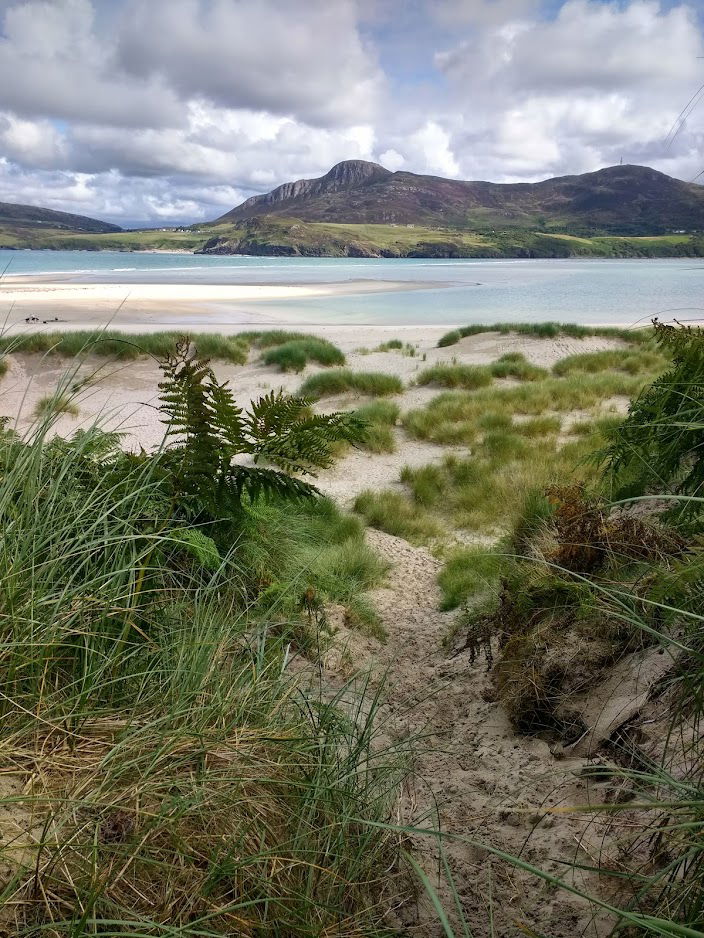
(273, 235)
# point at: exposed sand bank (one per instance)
(150, 306)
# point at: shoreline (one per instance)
(75, 304)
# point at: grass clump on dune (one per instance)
(516, 365)
(453, 417)
(640, 361)
(270, 337)
(543, 330)
(469, 572)
(308, 549)
(468, 377)
(380, 418)
(471, 377)
(395, 513)
(60, 403)
(482, 492)
(342, 380)
(396, 345)
(124, 346)
(295, 354)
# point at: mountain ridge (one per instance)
(625, 199)
(20, 215)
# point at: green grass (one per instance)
(641, 361)
(469, 573)
(297, 547)
(483, 492)
(394, 513)
(390, 346)
(342, 380)
(123, 346)
(468, 377)
(471, 377)
(543, 330)
(396, 345)
(453, 417)
(61, 403)
(199, 786)
(295, 354)
(516, 365)
(381, 418)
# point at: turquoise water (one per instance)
(444, 291)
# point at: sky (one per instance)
(173, 111)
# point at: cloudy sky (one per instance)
(162, 111)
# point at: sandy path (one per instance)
(473, 776)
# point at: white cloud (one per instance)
(178, 109)
(430, 147)
(303, 58)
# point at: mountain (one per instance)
(624, 200)
(30, 216)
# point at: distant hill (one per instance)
(30, 216)
(618, 200)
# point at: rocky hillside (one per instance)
(31, 216)
(624, 200)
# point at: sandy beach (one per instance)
(145, 307)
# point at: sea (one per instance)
(442, 292)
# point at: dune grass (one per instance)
(516, 365)
(60, 403)
(295, 354)
(471, 377)
(640, 361)
(468, 377)
(396, 345)
(395, 513)
(453, 417)
(309, 550)
(393, 345)
(270, 337)
(380, 418)
(152, 729)
(342, 380)
(469, 572)
(123, 346)
(544, 330)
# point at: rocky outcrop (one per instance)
(343, 177)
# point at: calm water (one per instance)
(450, 291)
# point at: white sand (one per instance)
(146, 307)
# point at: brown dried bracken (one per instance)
(116, 826)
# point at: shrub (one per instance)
(342, 380)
